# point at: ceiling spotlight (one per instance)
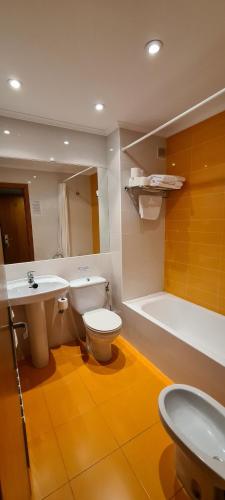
(7, 132)
(99, 106)
(66, 143)
(51, 159)
(14, 84)
(34, 177)
(111, 150)
(153, 47)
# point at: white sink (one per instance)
(21, 294)
(49, 286)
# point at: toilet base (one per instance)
(101, 351)
(196, 479)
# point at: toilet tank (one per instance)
(87, 294)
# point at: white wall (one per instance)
(40, 142)
(114, 179)
(80, 215)
(103, 209)
(61, 328)
(44, 189)
(137, 246)
(142, 240)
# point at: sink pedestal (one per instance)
(38, 334)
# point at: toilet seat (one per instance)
(102, 321)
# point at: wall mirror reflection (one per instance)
(51, 210)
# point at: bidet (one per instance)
(196, 423)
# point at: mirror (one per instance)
(50, 210)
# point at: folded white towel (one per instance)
(138, 181)
(149, 207)
(168, 179)
(159, 184)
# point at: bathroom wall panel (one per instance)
(114, 180)
(142, 240)
(195, 216)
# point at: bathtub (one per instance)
(184, 340)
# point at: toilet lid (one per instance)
(102, 320)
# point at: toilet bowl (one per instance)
(196, 423)
(102, 327)
(88, 297)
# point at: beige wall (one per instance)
(142, 240)
(80, 215)
(114, 178)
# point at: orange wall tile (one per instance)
(195, 216)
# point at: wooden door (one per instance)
(14, 478)
(15, 224)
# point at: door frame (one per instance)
(26, 197)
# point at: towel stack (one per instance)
(166, 181)
(138, 179)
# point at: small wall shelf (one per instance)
(135, 191)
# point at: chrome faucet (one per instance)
(30, 278)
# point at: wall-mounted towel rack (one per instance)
(135, 191)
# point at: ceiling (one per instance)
(70, 55)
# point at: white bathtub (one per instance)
(186, 341)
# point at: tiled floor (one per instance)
(94, 431)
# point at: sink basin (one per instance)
(49, 286)
(20, 294)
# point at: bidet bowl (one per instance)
(196, 423)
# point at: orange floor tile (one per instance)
(94, 431)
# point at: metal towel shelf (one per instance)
(135, 191)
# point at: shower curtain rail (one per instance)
(173, 120)
(78, 173)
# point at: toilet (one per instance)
(196, 423)
(88, 298)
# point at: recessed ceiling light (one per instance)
(14, 84)
(153, 47)
(66, 142)
(7, 132)
(111, 150)
(34, 177)
(99, 106)
(173, 164)
(51, 159)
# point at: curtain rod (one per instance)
(78, 173)
(181, 115)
